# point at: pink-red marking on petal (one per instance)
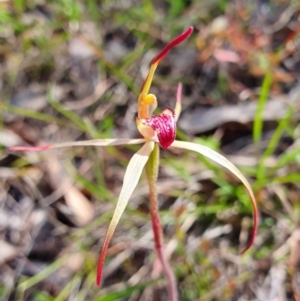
(164, 125)
(30, 148)
(172, 44)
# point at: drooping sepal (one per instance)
(164, 126)
(132, 175)
(216, 157)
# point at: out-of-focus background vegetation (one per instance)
(71, 70)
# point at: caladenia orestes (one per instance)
(158, 131)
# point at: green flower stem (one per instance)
(152, 172)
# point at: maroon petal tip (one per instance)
(172, 44)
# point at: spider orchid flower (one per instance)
(157, 130)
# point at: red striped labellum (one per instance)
(164, 125)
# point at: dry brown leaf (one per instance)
(80, 205)
(74, 262)
(7, 251)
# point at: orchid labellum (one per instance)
(157, 130)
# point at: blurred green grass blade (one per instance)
(43, 274)
(69, 114)
(76, 119)
(97, 167)
(34, 114)
(78, 234)
(273, 143)
(281, 128)
(127, 292)
(96, 190)
(290, 178)
(4, 290)
(176, 7)
(115, 70)
(288, 157)
(134, 55)
(123, 77)
(91, 129)
(87, 286)
(19, 5)
(67, 290)
(258, 119)
(93, 10)
(209, 209)
(148, 8)
(43, 296)
(286, 179)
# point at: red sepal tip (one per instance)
(172, 44)
(254, 231)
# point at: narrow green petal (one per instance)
(216, 157)
(131, 178)
(95, 142)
